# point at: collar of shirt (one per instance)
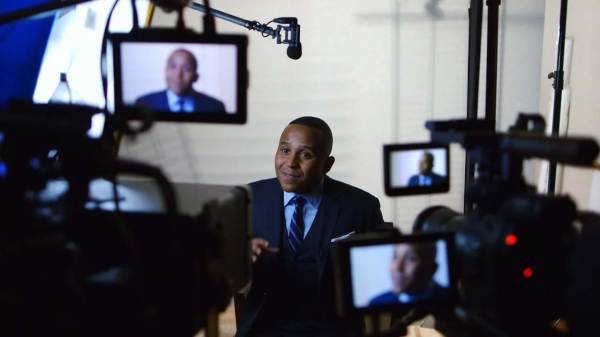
(173, 100)
(425, 294)
(312, 198)
(309, 212)
(425, 179)
(404, 298)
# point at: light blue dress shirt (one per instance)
(424, 295)
(174, 105)
(424, 180)
(313, 200)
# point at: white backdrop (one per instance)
(399, 66)
(143, 70)
(404, 164)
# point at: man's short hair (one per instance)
(320, 125)
(429, 155)
(191, 55)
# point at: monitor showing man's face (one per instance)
(399, 273)
(417, 168)
(180, 78)
(168, 75)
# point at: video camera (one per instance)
(99, 246)
(522, 261)
(95, 245)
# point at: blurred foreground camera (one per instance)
(84, 252)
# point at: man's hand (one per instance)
(258, 246)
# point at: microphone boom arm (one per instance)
(289, 26)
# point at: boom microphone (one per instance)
(295, 52)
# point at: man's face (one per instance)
(301, 161)
(181, 72)
(409, 272)
(425, 164)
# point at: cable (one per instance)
(103, 53)
(209, 20)
(134, 15)
(115, 191)
(265, 33)
(180, 22)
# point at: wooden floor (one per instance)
(226, 323)
(227, 326)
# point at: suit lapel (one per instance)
(273, 217)
(331, 208)
(165, 102)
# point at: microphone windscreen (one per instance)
(295, 52)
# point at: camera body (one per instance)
(516, 252)
(84, 252)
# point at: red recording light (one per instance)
(510, 240)
(528, 272)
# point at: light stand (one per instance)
(475, 24)
(558, 84)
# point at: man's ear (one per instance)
(328, 164)
(196, 77)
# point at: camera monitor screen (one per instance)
(181, 76)
(397, 274)
(418, 168)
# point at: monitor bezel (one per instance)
(178, 36)
(344, 286)
(390, 190)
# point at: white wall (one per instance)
(375, 71)
(583, 27)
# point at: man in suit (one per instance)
(411, 271)
(426, 176)
(181, 73)
(295, 217)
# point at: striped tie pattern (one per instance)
(180, 104)
(296, 234)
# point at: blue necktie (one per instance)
(296, 234)
(180, 104)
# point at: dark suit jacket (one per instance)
(434, 292)
(345, 208)
(202, 103)
(435, 179)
